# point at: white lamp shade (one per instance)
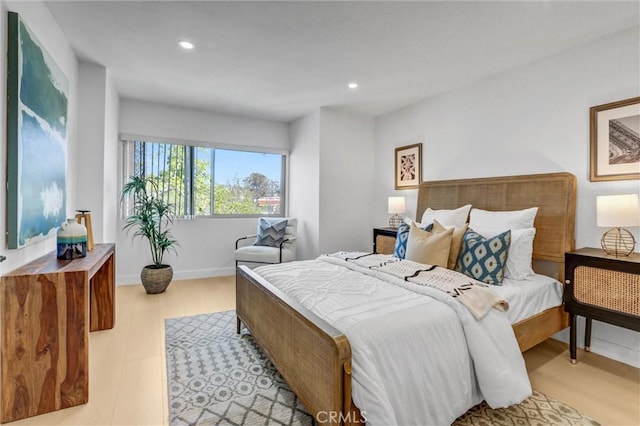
(396, 205)
(616, 211)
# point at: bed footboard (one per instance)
(312, 356)
(538, 328)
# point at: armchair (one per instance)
(285, 251)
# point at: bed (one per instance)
(315, 358)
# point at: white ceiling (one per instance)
(281, 60)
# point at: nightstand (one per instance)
(601, 287)
(384, 240)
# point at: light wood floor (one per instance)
(128, 382)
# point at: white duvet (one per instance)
(418, 356)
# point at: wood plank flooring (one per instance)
(128, 381)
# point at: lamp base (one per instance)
(618, 242)
(395, 220)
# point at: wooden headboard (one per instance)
(553, 193)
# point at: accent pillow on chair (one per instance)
(270, 233)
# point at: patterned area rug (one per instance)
(216, 377)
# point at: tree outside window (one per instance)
(203, 181)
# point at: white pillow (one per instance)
(456, 217)
(516, 219)
(518, 266)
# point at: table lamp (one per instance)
(396, 205)
(616, 211)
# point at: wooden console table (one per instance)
(48, 307)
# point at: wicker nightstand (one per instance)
(602, 287)
(384, 240)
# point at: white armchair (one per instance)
(281, 251)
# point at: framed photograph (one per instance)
(36, 138)
(615, 140)
(408, 166)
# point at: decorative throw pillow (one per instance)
(270, 232)
(518, 265)
(431, 248)
(484, 258)
(400, 249)
(456, 217)
(456, 241)
(402, 236)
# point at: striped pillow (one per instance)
(270, 233)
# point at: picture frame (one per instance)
(37, 112)
(615, 141)
(408, 166)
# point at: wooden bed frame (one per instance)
(315, 358)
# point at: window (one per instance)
(204, 181)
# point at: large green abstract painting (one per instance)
(36, 138)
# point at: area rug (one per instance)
(216, 377)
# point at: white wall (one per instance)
(206, 245)
(110, 185)
(97, 150)
(304, 183)
(346, 173)
(43, 26)
(332, 170)
(533, 119)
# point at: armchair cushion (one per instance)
(270, 232)
(265, 254)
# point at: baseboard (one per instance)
(132, 279)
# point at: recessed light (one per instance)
(187, 45)
(352, 85)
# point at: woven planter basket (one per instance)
(156, 280)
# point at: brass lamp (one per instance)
(396, 205)
(616, 211)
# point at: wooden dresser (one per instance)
(48, 307)
(601, 287)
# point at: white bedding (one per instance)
(529, 297)
(405, 372)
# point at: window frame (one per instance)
(128, 143)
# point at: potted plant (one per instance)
(151, 217)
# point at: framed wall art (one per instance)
(36, 138)
(408, 167)
(615, 140)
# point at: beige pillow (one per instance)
(456, 241)
(427, 247)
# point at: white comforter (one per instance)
(418, 356)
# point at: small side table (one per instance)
(384, 240)
(602, 287)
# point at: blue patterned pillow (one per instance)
(484, 258)
(270, 232)
(402, 236)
